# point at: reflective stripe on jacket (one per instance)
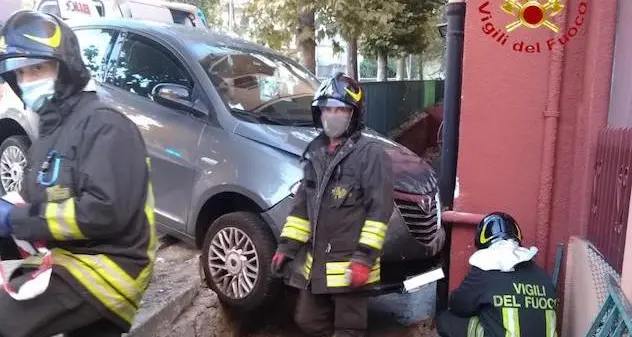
(340, 214)
(97, 214)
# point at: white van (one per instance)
(136, 9)
(185, 14)
(70, 9)
(151, 10)
(9, 7)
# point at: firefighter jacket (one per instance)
(518, 303)
(94, 206)
(340, 214)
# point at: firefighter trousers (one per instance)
(451, 325)
(340, 315)
(58, 310)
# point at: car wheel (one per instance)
(13, 161)
(236, 256)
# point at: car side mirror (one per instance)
(172, 95)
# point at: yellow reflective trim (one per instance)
(307, 268)
(551, 323)
(299, 221)
(480, 332)
(53, 41)
(337, 281)
(293, 233)
(373, 234)
(337, 277)
(511, 322)
(120, 280)
(374, 231)
(97, 286)
(376, 224)
(371, 240)
(149, 205)
(297, 227)
(144, 277)
(62, 221)
(50, 215)
(472, 327)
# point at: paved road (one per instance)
(390, 316)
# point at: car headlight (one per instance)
(294, 188)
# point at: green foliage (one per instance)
(400, 28)
(392, 27)
(275, 22)
(368, 68)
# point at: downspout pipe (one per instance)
(549, 146)
(455, 11)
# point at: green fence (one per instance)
(389, 104)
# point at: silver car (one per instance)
(225, 123)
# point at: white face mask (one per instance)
(335, 124)
(35, 94)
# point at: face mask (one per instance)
(35, 94)
(335, 124)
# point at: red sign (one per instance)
(77, 6)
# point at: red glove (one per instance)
(277, 261)
(359, 273)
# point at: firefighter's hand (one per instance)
(5, 226)
(359, 273)
(278, 260)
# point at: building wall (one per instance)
(620, 113)
(511, 102)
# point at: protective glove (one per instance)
(359, 273)
(278, 260)
(5, 227)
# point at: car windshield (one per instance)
(258, 85)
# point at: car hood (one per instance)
(411, 173)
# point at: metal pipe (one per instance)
(455, 10)
(549, 145)
(454, 217)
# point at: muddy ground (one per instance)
(177, 268)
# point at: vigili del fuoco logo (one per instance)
(532, 14)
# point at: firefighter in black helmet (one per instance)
(335, 231)
(505, 293)
(87, 195)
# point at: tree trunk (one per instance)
(401, 68)
(382, 67)
(306, 43)
(420, 63)
(352, 58)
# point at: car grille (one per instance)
(421, 222)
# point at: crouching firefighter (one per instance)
(87, 197)
(335, 231)
(505, 293)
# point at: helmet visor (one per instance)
(331, 103)
(15, 63)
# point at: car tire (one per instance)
(231, 277)
(22, 143)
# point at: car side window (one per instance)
(142, 65)
(96, 46)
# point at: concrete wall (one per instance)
(621, 100)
